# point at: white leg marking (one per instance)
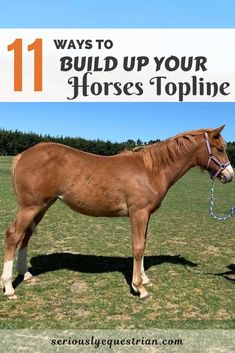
(145, 279)
(22, 261)
(7, 278)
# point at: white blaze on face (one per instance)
(227, 174)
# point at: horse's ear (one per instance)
(216, 132)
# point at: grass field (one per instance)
(83, 265)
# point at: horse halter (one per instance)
(211, 157)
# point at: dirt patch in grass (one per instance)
(222, 314)
(81, 312)
(120, 228)
(119, 317)
(78, 286)
(212, 250)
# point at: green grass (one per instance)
(83, 265)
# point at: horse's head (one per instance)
(216, 159)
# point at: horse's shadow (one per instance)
(229, 275)
(96, 264)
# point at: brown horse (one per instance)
(130, 184)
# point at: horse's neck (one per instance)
(176, 171)
(177, 168)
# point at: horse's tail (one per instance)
(13, 173)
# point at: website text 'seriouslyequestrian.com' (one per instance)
(112, 342)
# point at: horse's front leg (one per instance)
(139, 224)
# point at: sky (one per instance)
(117, 121)
(117, 14)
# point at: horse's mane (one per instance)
(161, 154)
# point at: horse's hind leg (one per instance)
(14, 236)
(22, 254)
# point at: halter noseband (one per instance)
(222, 166)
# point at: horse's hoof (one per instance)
(11, 296)
(149, 284)
(28, 277)
(144, 296)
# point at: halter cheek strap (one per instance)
(222, 166)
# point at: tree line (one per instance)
(14, 142)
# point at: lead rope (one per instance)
(218, 218)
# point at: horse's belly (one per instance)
(96, 207)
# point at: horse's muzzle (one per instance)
(226, 175)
